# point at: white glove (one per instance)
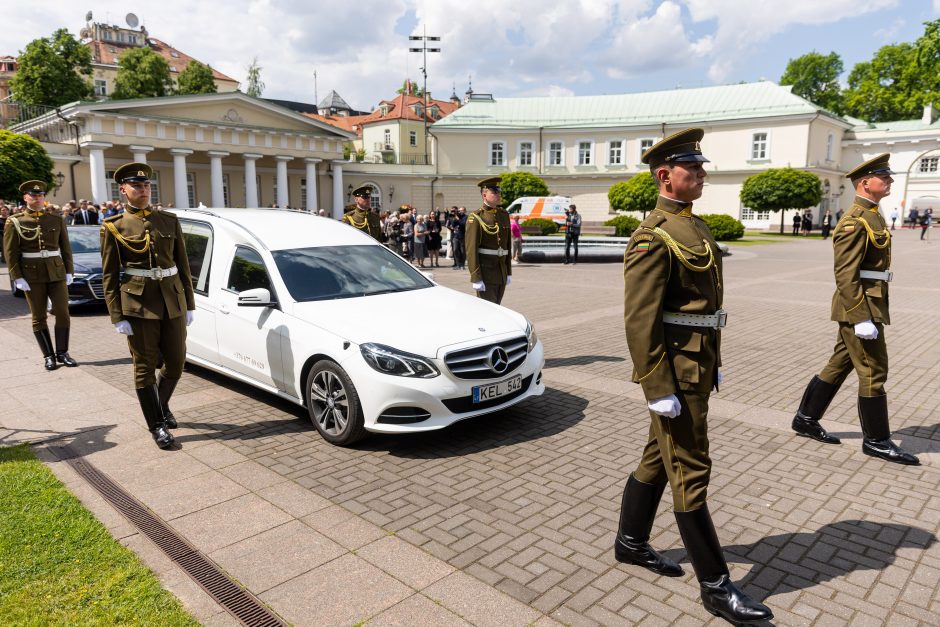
(21, 285)
(478, 286)
(189, 316)
(720, 378)
(68, 278)
(123, 327)
(866, 330)
(508, 280)
(667, 406)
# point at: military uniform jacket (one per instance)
(861, 241)
(364, 221)
(488, 229)
(672, 264)
(137, 296)
(37, 232)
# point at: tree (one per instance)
(519, 184)
(639, 193)
(142, 73)
(255, 85)
(53, 71)
(411, 88)
(815, 76)
(22, 158)
(781, 188)
(196, 78)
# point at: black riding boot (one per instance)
(62, 347)
(815, 402)
(873, 413)
(637, 512)
(153, 414)
(165, 389)
(719, 595)
(45, 345)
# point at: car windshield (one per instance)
(328, 272)
(85, 240)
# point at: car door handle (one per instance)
(224, 309)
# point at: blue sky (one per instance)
(519, 48)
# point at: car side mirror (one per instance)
(258, 297)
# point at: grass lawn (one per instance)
(60, 566)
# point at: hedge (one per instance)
(548, 227)
(723, 227)
(626, 225)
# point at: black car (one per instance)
(86, 286)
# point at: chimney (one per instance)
(930, 114)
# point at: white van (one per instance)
(548, 207)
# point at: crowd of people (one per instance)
(421, 238)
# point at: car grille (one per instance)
(476, 363)
(465, 404)
(97, 289)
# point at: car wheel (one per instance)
(334, 404)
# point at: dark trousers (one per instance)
(460, 253)
(493, 292)
(869, 359)
(153, 339)
(37, 296)
(571, 238)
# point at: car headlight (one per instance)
(388, 360)
(530, 335)
(80, 275)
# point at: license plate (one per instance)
(483, 393)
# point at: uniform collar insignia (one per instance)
(670, 205)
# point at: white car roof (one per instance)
(280, 229)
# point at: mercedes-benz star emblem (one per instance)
(499, 360)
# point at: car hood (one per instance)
(87, 262)
(418, 321)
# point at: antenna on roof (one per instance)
(88, 16)
(131, 20)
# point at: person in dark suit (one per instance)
(84, 214)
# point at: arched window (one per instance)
(376, 197)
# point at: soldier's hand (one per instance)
(667, 406)
(21, 285)
(866, 330)
(720, 378)
(123, 327)
(508, 280)
(479, 286)
(189, 316)
(68, 279)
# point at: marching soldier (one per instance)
(862, 246)
(487, 241)
(361, 216)
(152, 304)
(39, 256)
(673, 320)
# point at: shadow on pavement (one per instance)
(117, 361)
(579, 360)
(83, 441)
(924, 439)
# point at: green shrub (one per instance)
(723, 227)
(626, 225)
(548, 227)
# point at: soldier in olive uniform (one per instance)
(152, 303)
(39, 257)
(362, 217)
(862, 246)
(673, 320)
(487, 242)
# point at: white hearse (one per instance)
(317, 312)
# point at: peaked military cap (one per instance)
(680, 147)
(33, 187)
(877, 166)
(490, 183)
(364, 191)
(133, 173)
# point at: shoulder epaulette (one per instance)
(116, 216)
(654, 219)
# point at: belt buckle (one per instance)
(722, 318)
(156, 273)
(43, 254)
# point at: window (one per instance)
(190, 189)
(174, 54)
(101, 87)
(114, 190)
(759, 146)
(388, 139)
(497, 153)
(645, 144)
(585, 153)
(225, 196)
(198, 239)
(412, 138)
(107, 36)
(830, 144)
(556, 153)
(615, 152)
(376, 197)
(928, 165)
(525, 153)
(750, 214)
(248, 272)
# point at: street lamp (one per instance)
(424, 39)
(60, 179)
(349, 192)
(391, 193)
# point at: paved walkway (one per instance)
(509, 519)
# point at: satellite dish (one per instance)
(88, 16)
(132, 20)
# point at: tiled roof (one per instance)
(333, 101)
(351, 123)
(108, 52)
(402, 107)
(675, 106)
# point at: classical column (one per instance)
(338, 190)
(251, 180)
(283, 197)
(215, 169)
(179, 177)
(312, 184)
(140, 152)
(99, 181)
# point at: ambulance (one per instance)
(547, 207)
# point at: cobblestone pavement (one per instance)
(526, 501)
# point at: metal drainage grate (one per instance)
(239, 602)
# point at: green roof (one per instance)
(900, 126)
(675, 106)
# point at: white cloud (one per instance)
(889, 32)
